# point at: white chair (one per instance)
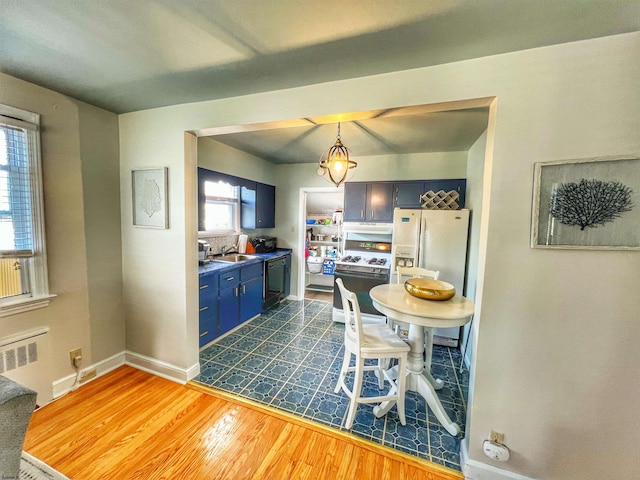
(371, 341)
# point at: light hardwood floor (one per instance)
(129, 424)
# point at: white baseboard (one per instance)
(474, 470)
(160, 368)
(141, 362)
(65, 384)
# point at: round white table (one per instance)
(422, 316)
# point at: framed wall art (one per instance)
(150, 202)
(591, 203)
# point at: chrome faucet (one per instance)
(225, 248)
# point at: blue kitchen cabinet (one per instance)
(368, 202)
(407, 194)
(251, 285)
(355, 202)
(457, 184)
(258, 206)
(239, 295)
(229, 300)
(209, 326)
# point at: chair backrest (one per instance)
(352, 315)
(408, 272)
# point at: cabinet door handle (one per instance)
(244, 289)
(362, 213)
(236, 291)
(229, 279)
(202, 287)
(204, 333)
(204, 308)
(373, 213)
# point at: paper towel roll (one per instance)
(242, 244)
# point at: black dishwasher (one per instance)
(274, 276)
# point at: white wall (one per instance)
(219, 157)
(73, 184)
(473, 201)
(555, 362)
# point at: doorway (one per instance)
(319, 240)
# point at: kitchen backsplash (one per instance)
(216, 243)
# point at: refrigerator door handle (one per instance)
(421, 242)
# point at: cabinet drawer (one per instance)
(229, 278)
(251, 271)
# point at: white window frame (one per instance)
(236, 204)
(39, 296)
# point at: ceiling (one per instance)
(125, 55)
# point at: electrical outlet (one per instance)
(496, 437)
(88, 375)
(73, 354)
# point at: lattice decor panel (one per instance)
(440, 200)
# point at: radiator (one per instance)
(10, 283)
(23, 359)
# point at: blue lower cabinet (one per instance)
(209, 327)
(229, 298)
(228, 308)
(250, 298)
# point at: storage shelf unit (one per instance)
(322, 282)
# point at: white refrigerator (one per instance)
(437, 240)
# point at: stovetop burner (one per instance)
(377, 261)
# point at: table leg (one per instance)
(418, 382)
(428, 353)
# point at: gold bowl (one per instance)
(429, 289)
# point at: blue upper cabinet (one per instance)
(257, 200)
(258, 206)
(374, 201)
(265, 206)
(457, 184)
(368, 202)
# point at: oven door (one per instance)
(360, 283)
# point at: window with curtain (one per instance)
(23, 275)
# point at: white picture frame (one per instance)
(149, 196)
(591, 203)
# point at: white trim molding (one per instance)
(474, 470)
(64, 385)
(160, 368)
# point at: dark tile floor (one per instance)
(289, 358)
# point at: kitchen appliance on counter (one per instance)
(365, 264)
(203, 250)
(264, 244)
(436, 240)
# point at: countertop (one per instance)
(214, 266)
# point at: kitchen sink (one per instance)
(235, 258)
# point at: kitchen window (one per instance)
(23, 266)
(221, 208)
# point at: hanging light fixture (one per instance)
(336, 162)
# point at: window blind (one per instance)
(16, 214)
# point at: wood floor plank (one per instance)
(129, 424)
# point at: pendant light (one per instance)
(336, 162)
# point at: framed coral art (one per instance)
(150, 205)
(592, 203)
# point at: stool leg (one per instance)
(401, 381)
(343, 370)
(382, 365)
(355, 394)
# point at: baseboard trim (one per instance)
(160, 368)
(64, 385)
(474, 470)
